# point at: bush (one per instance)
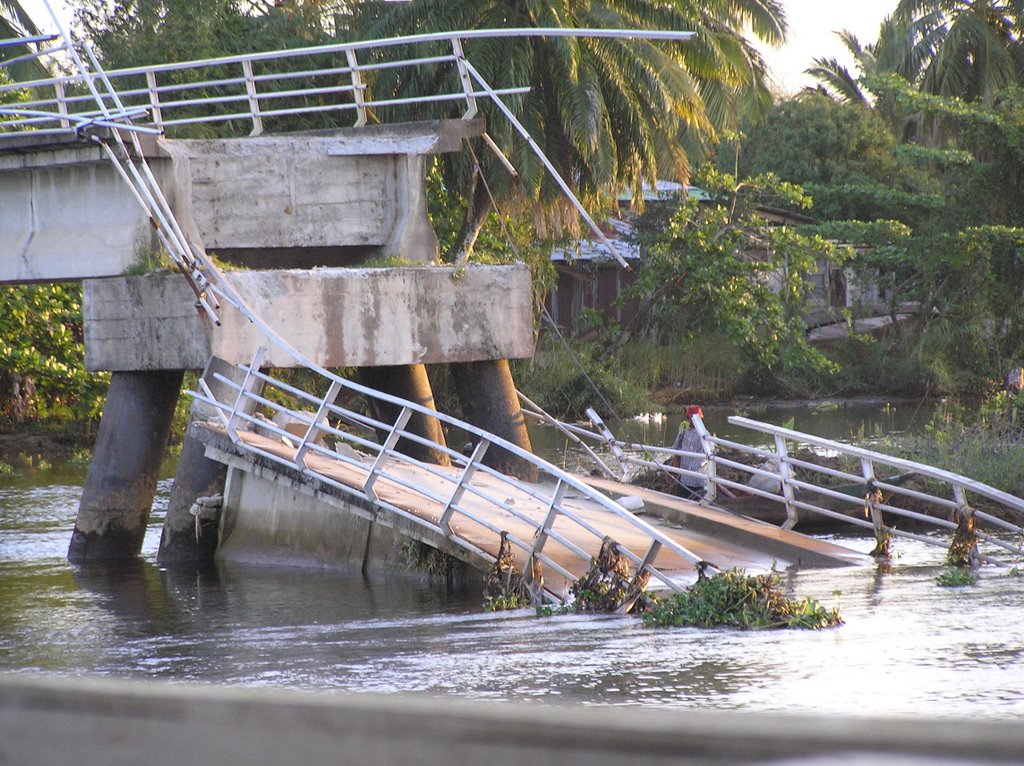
(565, 384)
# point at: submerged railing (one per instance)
(801, 485)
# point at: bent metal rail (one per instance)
(109, 109)
(790, 474)
(262, 87)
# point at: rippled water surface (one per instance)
(909, 647)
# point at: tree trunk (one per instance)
(472, 224)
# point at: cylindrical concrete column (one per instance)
(489, 401)
(408, 381)
(121, 482)
(196, 476)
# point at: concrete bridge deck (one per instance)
(718, 537)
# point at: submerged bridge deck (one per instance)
(489, 505)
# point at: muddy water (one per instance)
(908, 646)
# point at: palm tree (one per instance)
(612, 115)
(836, 80)
(969, 49)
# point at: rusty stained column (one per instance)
(121, 483)
(197, 476)
(489, 401)
(407, 381)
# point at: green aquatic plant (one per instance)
(956, 577)
(736, 599)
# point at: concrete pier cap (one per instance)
(67, 215)
(360, 317)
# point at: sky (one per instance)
(812, 26)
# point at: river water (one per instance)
(908, 647)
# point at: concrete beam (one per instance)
(99, 721)
(338, 317)
(66, 213)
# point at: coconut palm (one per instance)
(969, 49)
(612, 115)
(836, 80)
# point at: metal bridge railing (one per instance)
(260, 87)
(469, 491)
(789, 475)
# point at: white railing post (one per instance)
(541, 536)
(609, 439)
(154, 100)
(467, 81)
(385, 450)
(460, 489)
(358, 86)
(786, 478)
(710, 468)
(249, 384)
(321, 413)
(254, 100)
(62, 104)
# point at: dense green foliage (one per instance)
(610, 115)
(717, 265)
(737, 600)
(42, 370)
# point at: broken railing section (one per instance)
(460, 495)
(799, 485)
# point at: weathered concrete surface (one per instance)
(106, 722)
(121, 482)
(184, 539)
(275, 515)
(270, 522)
(66, 213)
(338, 317)
(489, 401)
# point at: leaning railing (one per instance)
(469, 490)
(799, 485)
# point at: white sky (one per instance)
(812, 26)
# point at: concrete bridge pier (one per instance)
(407, 381)
(489, 401)
(184, 540)
(121, 482)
